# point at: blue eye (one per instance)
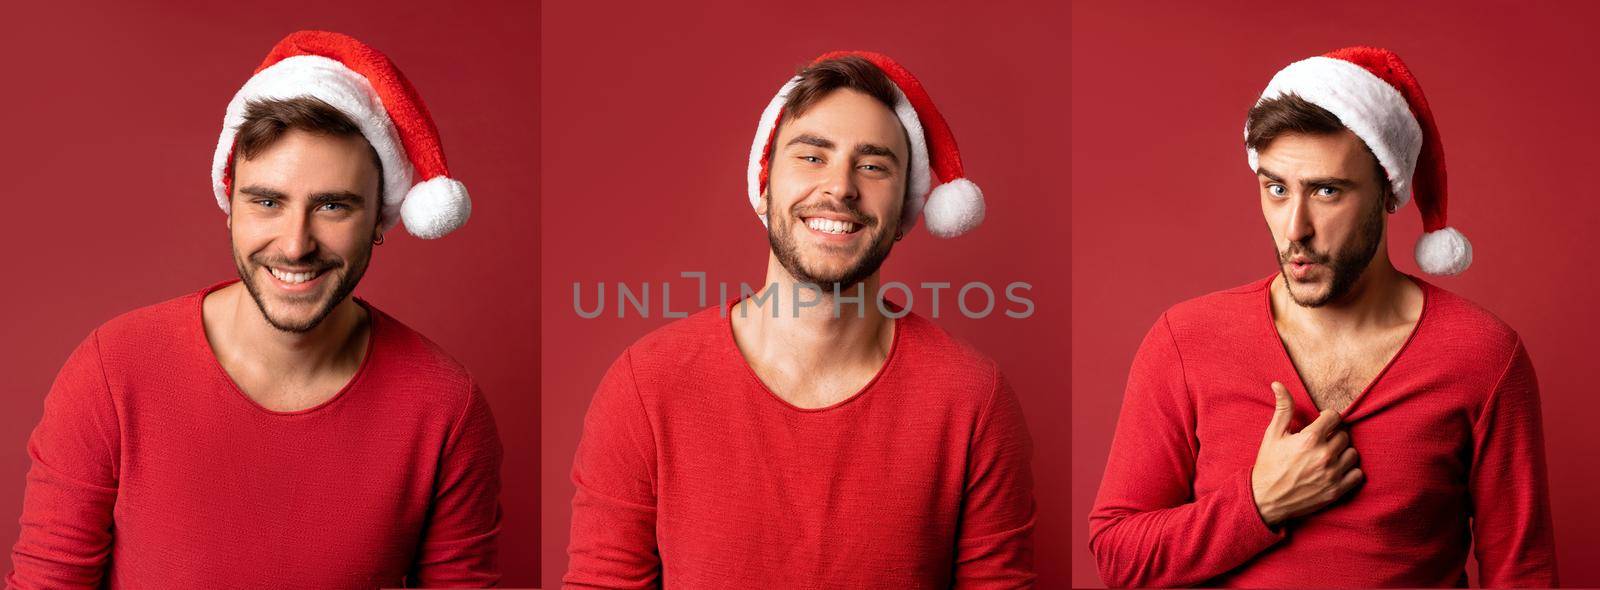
(334, 206)
(1327, 191)
(1277, 190)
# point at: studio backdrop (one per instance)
(1165, 207)
(649, 116)
(110, 115)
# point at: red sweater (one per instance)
(691, 471)
(152, 470)
(1450, 441)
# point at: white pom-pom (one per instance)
(435, 207)
(953, 208)
(1444, 252)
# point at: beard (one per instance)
(780, 234)
(1346, 264)
(342, 277)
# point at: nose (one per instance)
(840, 182)
(1297, 227)
(297, 240)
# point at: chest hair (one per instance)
(1334, 372)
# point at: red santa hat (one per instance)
(364, 85)
(1373, 93)
(953, 208)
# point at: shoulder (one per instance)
(1465, 330)
(683, 343)
(151, 329)
(941, 353)
(1216, 312)
(423, 361)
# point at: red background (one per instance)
(1160, 91)
(649, 115)
(110, 115)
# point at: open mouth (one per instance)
(836, 227)
(295, 278)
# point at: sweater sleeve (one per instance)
(460, 545)
(1511, 526)
(65, 540)
(1147, 527)
(995, 548)
(613, 541)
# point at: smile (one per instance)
(832, 226)
(295, 278)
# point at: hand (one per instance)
(1297, 474)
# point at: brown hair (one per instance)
(1281, 115)
(824, 77)
(267, 120)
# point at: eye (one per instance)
(811, 159)
(268, 203)
(1277, 190)
(873, 168)
(333, 207)
(1327, 191)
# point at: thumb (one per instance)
(1282, 411)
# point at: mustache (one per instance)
(854, 215)
(1301, 249)
(314, 263)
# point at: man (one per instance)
(1339, 423)
(276, 432)
(761, 444)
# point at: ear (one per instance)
(766, 197)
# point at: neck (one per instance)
(1377, 298)
(812, 336)
(242, 332)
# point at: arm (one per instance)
(460, 545)
(1511, 528)
(613, 543)
(995, 549)
(1147, 528)
(72, 486)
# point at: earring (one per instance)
(378, 241)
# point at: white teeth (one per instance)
(293, 278)
(830, 226)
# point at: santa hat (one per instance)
(1373, 94)
(953, 208)
(366, 87)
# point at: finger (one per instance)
(1324, 424)
(1339, 440)
(1351, 479)
(1282, 410)
(1347, 460)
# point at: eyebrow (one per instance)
(868, 149)
(316, 198)
(812, 140)
(865, 149)
(337, 197)
(1334, 181)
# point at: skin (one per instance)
(1339, 305)
(308, 202)
(844, 159)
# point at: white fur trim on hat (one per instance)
(1375, 111)
(919, 177)
(343, 89)
(1443, 252)
(436, 207)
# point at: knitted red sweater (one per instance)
(152, 470)
(1449, 436)
(691, 471)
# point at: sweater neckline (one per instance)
(198, 327)
(1298, 389)
(731, 347)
